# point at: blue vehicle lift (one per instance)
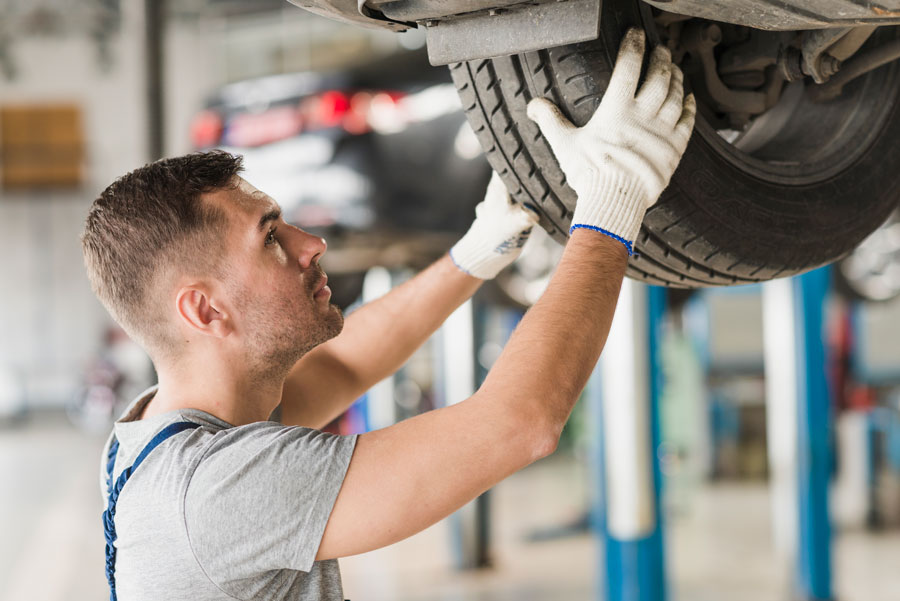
(624, 394)
(800, 416)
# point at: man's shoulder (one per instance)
(272, 439)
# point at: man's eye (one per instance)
(270, 237)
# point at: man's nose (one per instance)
(310, 248)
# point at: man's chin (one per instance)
(335, 314)
(332, 323)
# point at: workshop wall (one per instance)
(50, 322)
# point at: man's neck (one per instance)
(232, 399)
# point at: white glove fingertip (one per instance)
(686, 121)
(674, 103)
(655, 89)
(519, 214)
(685, 126)
(552, 123)
(496, 187)
(624, 80)
(480, 208)
(529, 216)
(677, 77)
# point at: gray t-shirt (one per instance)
(225, 512)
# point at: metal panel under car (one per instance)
(787, 15)
(519, 29)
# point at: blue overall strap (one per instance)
(109, 526)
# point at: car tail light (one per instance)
(325, 110)
(331, 108)
(256, 129)
(206, 129)
(386, 113)
(356, 113)
(357, 121)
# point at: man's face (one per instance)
(274, 281)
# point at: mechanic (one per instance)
(229, 301)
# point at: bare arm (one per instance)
(376, 341)
(552, 353)
(408, 476)
(403, 478)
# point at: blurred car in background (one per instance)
(379, 160)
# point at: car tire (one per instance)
(725, 218)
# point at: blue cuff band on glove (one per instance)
(458, 266)
(628, 245)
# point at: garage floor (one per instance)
(51, 548)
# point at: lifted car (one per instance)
(794, 159)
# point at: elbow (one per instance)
(539, 436)
(526, 429)
(528, 440)
(544, 441)
(545, 447)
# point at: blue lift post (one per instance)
(800, 426)
(624, 394)
(814, 436)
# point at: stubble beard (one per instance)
(279, 335)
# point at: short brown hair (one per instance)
(149, 220)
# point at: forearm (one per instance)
(617, 163)
(381, 335)
(548, 359)
(439, 460)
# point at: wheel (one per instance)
(789, 190)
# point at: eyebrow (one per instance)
(270, 215)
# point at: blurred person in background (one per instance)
(112, 379)
(201, 269)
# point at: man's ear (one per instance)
(201, 311)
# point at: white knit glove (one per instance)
(497, 235)
(623, 158)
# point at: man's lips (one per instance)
(322, 289)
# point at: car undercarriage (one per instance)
(791, 164)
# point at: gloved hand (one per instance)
(623, 158)
(497, 235)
